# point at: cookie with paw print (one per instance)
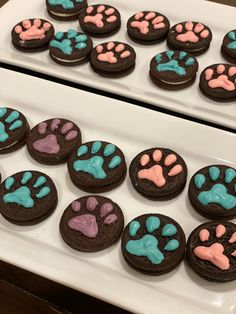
(218, 82)
(228, 48)
(158, 173)
(51, 141)
(32, 35)
(91, 223)
(65, 10)
(211, 251)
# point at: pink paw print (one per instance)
(111, 52)
(144, 21)
(97, 15)
(216, 253)
(155, 173)
(221, 77)
(31, 30)
(187, 32)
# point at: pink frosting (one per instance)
(89, 10)
(70, 136)
(110, 219)
(220, 68)
(138, 15)
(110, 45)
(18, 29)
(26, 24)
(222, 82)
(204, 235)
(67, 127)
(159, 26)
(179, 28)
(86, 224)
(33, 31)
(96, 20)
(99, 48)
(76, 206)
(175, 171)
(120, 48)
(232, 71)
(213, 254)
(233, 238)
(55, 124)
(101, 8)
(91, 203)
(198, 28)
(111, 19)
(158, 19)
(234, 253)
(220, 231)
(42, 127)
(142, 26)
(189, 26)
(110, 11)
(107, 57)
(106, 209)
(150, 16)
(157, 155)
(153, 174)
(188, 36)
(144, 160)
(125, 54)
(208, 74)
(170, 159)
(47, 145)
(204, 34)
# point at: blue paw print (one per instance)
(66, 4)
(95, 164)
(72, 40)
(23, 195)
(219, 193)
(148, 245)
(8, 121)
(174, 62)
(232, 44)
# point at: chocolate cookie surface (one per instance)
(173, 70)
(70, 48)
(148, 27)
(97, 166)
(192, 37)
(158, 173)
(65, 9)
(113, 59)
(218, 82)
(228, 48)
(211, 251)
(32, 35)
(100, 20)
(153, 244)
(212, 192)
(27, 197)
(91, 223)
(14, 129)
(51, 141)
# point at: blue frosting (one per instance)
(152, 223)
(214, 173)
(66, 4)
(199, 180)
(134, 226)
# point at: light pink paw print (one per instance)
(101, 14)
(215, 252)
(224, 77)
(190, 33)
(145, 21)
(111, 52)
(32, 29)
(155, 173)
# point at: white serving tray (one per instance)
(137, 85)
(105, 275)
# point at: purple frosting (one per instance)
(91, 203)
(67, 127)
(42, 127)
(86, 224)
(76, 206)
(55, 124)
(110, 219)
(47, 145)
(71, 135)
(106, 209)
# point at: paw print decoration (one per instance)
(153, 244)
(158, 173)
(228, 48)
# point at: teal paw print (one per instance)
(68, 41)
(153, 240)
(8, 123)
(102, 158)
(223, 187)
(66, 4)
(24, 195)
(176, 62)
(232, 37)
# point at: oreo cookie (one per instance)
(158, 173)
(211, 251)
(153, 244)
(32, 35)
(212, 192)
(65, 10)
(14, 129)
(100, 20)
(113, 59)
(148, 27)
(27, 197)
(70, 48)
(97, 167)
(173, 70)
(192, 37)
(228, 48)
(91, 223)
(218, 82)
(51, 141)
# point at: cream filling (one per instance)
(68, 61)
(5, 147)
(63, 14)
(175, 83)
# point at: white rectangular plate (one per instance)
(105, 275)
(137, 85)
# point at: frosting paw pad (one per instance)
(228, 48)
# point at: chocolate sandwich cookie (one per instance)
(100, 20)
(212, 192)
(153, 244)
(70, 48)
(148, 27)
(228, 48)
(211, 251)
(158, 173)
(14, 129)
(192, 37)
(32, 35)
(113, 59)
(27, 197)
(173, 70)
(51, 141)
(218, 82)
(97, 167)
(65, 10)
(91, 223)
